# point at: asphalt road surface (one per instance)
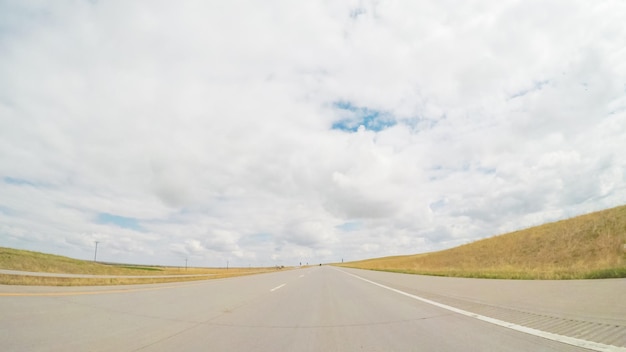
(319, 309)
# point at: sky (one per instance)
(286, 132)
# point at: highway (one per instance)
(319, 309)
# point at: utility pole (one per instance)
(95, 254)
(185, 263)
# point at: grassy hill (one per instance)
(15, 259)
(584, 247)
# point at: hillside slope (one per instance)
(126, 274)
(587, 246)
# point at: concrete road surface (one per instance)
(318, 309)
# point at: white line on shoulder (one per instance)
(548, 335)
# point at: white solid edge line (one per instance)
(277, 287)
(596, 346)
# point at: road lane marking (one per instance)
(596, 346)
(277, 287)
(301, 276)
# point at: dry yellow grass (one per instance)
(587, 246)
(14, 259)
(6, 279)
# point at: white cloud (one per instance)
(211, 128)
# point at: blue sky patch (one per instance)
(438, 205)
(350, 226)
(119, 221)
(17, 181)
(538, 85)
(262, 237)
(6, 211)
(356, 12)
(373, 120)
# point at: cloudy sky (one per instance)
(280, 132)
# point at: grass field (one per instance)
(585, 247)
(15, 259)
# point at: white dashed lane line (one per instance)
(277, 287)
